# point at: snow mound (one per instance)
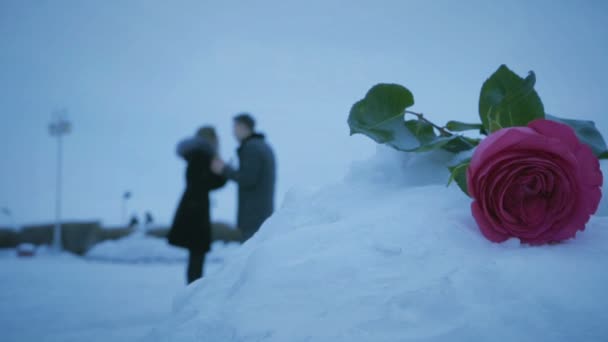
(603, 207)
(138, 248)
(392, 259)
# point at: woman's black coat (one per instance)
(191, 227)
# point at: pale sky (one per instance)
(137, 76)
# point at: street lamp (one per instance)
(59, 127)
(125, 198)
(8, 213)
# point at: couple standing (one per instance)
(205, 172)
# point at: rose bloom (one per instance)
(539, 183)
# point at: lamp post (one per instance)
(8, 213)
(125, 198)
(59, 127)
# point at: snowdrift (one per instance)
(391, 254)
(139, 248)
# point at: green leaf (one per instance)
(380, 116)
(457, 126)
(454, 144)
(507, 100)
(424, 132)
(587, 133)
(459, 175)
(459, 143)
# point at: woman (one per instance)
(191, 227)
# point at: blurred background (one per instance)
(137, 76)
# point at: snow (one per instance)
(391, 254)
(64, 298)
(603, 208)
(138, 248)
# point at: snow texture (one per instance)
(63, 298)
(138, 248)
(391, 254)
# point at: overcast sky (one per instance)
(137, 76)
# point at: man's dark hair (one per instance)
(246, 119)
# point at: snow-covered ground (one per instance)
(390, 254)
(138, 248)
(65, 298)
(393, 255)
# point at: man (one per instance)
(255, 177)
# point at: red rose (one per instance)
(537, 183)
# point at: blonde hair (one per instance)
(208, 133)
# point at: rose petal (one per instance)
(485, 226)
(551, 129)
